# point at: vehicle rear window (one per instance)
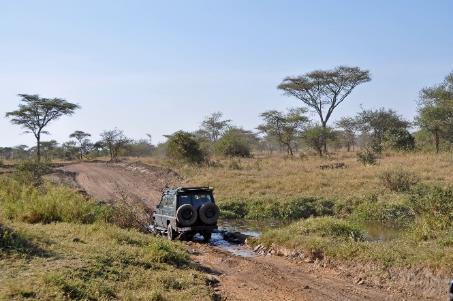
(194, 199)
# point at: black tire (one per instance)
(186, 215)
(209, 213)
(207, 236)
(171, 234)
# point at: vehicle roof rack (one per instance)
(183, 189)
(195, 188)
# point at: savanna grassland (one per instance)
(280, 178)
(332, 212)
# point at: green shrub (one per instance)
(399, 139)
(31, 172)
(293, 209)
(233, 209)
(331, 227)
(233, 144)
(367, 157)
(398, 179)
(383, 212)
(183, 146)
(433, 206)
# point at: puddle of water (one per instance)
(382, 232)
(235, 249)
(248, 227)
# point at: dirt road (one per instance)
(263, 278)
(108, 182)
(269, 278)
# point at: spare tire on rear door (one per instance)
(186, 215)
(209, 213)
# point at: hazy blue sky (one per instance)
(159, 66)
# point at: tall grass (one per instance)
(48, 204)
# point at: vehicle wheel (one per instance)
(207, 236)
(171, 234)
(186, 215)
(209, 213)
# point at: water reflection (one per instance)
(377, 231)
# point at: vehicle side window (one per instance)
(168, 201)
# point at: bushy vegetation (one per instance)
(367, 157)
(183, 146)
(398, 179)
(31, 172)
(233, 144)
(395, 214)
(303, 207)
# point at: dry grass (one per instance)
(280, 178)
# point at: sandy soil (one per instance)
(262, 277)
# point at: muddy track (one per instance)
(269, 278)
(240, 278)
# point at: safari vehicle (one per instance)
(186, 211)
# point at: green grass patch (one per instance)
(297, 208)
(96, 262)
(47, 204)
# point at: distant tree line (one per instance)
(289, 132)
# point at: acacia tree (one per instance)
(83, 143)
(35, 113)
(213, 126)
(436, 111)
(285, 127)
(324, 90)
(113, 141)
(185, 147)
